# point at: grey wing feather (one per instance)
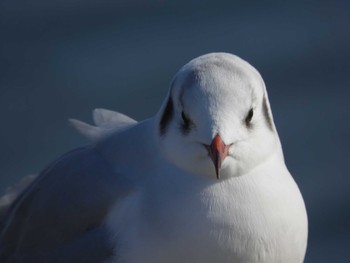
(59, 217)
(106, 122)
(11, 195)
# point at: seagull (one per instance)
(204, 180)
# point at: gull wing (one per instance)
(60, 216)
(11, 195)
(106, 122)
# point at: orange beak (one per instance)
(218, 151)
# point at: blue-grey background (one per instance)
(62, 58)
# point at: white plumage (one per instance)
(204, 180)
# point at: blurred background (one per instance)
(63, 58)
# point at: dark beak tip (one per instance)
(217, 164)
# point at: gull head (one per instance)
(216, 120)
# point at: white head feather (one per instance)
(214, 94)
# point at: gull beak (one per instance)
(217, 151)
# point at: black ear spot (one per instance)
(267, 114)
(249, 117)
(166, 117)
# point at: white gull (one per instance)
(204, 180)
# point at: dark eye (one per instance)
(249, 117)
(187, 123)
(185, 119)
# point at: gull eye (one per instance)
(187, 123)
(249, 117)
(185, 119)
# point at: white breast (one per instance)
(252, 218)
